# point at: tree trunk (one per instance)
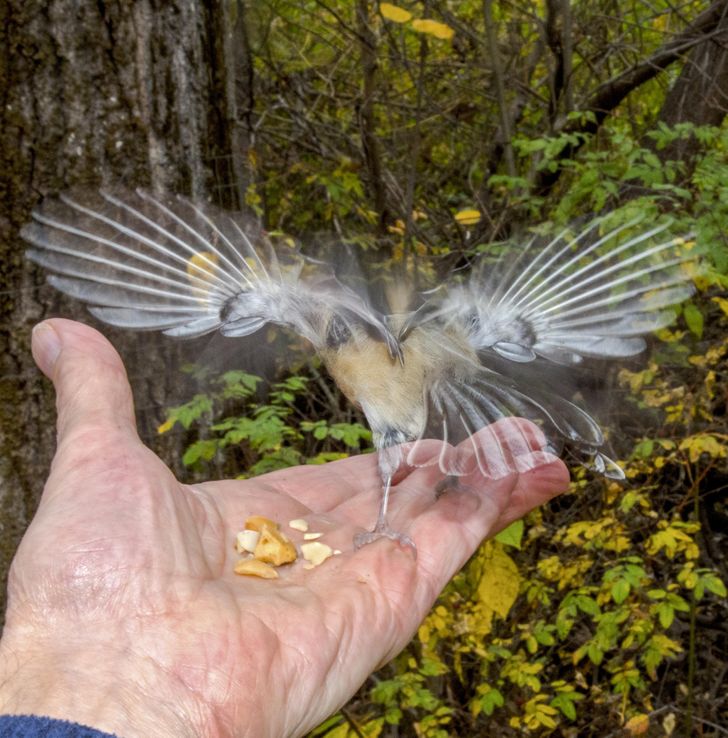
(98, 93)
(367, 124)
(700, 94)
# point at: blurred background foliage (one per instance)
(421, 133)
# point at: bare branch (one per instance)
(610, 94)
(505, 123)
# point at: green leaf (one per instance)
(644, 448)
(200, 450)
(326, 728)
(693, 319)
(491, 700)
(620, 591)
(594, 653)
(320, 432)
(665, 614)
(279, 459)
(587, 604)
(512, 535)
(714, 584)
(238, 383)
(191, 411)
(565, 703)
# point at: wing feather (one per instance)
(150, 263)
(587, 295)
(467, 415)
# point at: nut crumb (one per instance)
(246, 541)
(258, 522)
(298, 524)
(255, 568)
(316, 553)
(311, 536)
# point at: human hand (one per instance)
(124, 612)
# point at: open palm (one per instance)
(125, 577)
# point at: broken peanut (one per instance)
(246, 541)
(316, 553)
(274, 547)
(255, 568)
(258, 522)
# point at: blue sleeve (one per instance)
(32, 726)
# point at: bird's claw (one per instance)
(382, 530)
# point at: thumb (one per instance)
(92, 389)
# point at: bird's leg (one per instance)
(382, 529)
(382, 517)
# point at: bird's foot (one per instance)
(448, 484)
(382, 530)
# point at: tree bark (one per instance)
(491, 37)
(370, 144)
(98, 93)
(558, 33)
(700, 94)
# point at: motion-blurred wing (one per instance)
(469, 416)
(588, 295)
(148, 263)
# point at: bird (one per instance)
(436, 372)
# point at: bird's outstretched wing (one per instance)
(582, 295)
(150, 263)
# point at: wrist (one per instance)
(119, 693)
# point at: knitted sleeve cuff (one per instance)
(34, 726)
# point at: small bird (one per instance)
(471, 353)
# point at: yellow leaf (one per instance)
(498, 587)
(468, 217)
(202, 265)
(167, 425)
(394, 13)
(433, 28)
(660, 22)
(638, 724)
(703, 443)
(685, 243)
(398, 228)
(722, 303)
(373, 728)
(669, 723)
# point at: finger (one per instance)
(499, 451)
(449, 532)
(535, 488)
(92, 390)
